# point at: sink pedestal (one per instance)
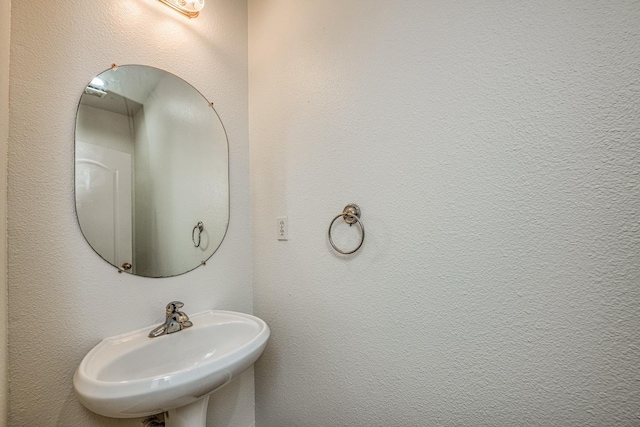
(192, 415)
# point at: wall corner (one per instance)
(5, 33)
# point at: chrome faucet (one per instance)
(175, 321)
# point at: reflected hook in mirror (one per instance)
(200, 227)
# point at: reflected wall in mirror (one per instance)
(151, 164)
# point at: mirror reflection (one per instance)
(151, 172)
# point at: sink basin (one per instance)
(132, 375)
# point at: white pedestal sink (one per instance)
(132, 375)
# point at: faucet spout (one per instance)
(156, 332)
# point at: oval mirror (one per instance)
(151, 172)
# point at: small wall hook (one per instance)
(200, 227)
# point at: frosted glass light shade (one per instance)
(190, 8)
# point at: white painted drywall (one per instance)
(63, 297)
(494, 148)
(5, 32)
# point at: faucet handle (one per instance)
(180, 321)
(174, 306)
(181, 316)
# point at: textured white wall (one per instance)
(63, 298)
(494, 148)
(5, 32)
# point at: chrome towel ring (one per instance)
(351, 215)
(200, 227)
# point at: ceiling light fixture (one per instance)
(190, 8)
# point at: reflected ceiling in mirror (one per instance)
(151, 172)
